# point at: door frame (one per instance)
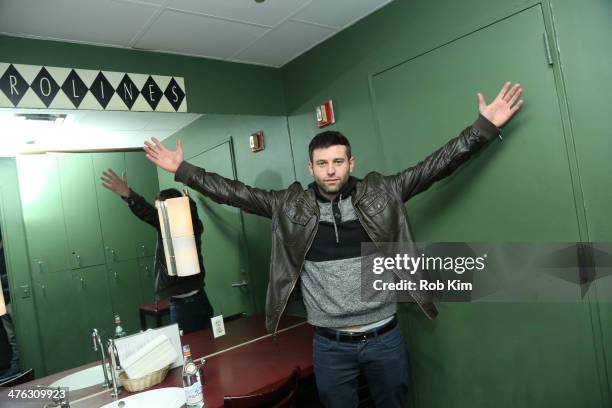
(244, 269)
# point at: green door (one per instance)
(124, 282)
(43, 214)
(517, 354)
(80, 207)
(222, 239)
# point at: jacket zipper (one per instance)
(331, 203)
(314, 233)
(357, 211)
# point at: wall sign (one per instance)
(325, 114)
(256, 141)
(31, 86)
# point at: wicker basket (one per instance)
(142, 383)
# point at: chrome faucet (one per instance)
(97, 343)
(114, 358)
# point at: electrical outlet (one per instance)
(25, 291)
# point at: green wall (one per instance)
(586, 65)
(544, 183)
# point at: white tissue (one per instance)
(154, 355)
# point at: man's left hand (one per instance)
(503, 107)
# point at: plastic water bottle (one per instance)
(119, 332)
(192, 383)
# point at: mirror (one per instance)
(89, 257)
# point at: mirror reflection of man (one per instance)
(316, 237)
(189, 304)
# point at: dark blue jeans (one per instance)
(382, 360)
(191, 313)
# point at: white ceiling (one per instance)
(271, 33)
(86, 130)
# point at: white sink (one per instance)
(170, 397)
(81, 379)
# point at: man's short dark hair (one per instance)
(327, 139)
(168, 193)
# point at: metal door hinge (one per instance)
(549, 57)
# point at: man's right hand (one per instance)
(114, 183)
(163, 157)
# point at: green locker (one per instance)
(69, 305)
(43, 215)
(142, 178)
(116, 220)
(78, 193)
(124, 283)
(517, 190)
(92, 290)
(146, 269)
(56, 305)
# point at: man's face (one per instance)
(331, 168)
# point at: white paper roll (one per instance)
(178, 237)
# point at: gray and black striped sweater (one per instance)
(331, 278)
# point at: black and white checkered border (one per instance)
(42, 87)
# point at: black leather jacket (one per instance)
(378, 201)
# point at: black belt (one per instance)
(355, 336)
(184, 299)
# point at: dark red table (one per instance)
(157, 310)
